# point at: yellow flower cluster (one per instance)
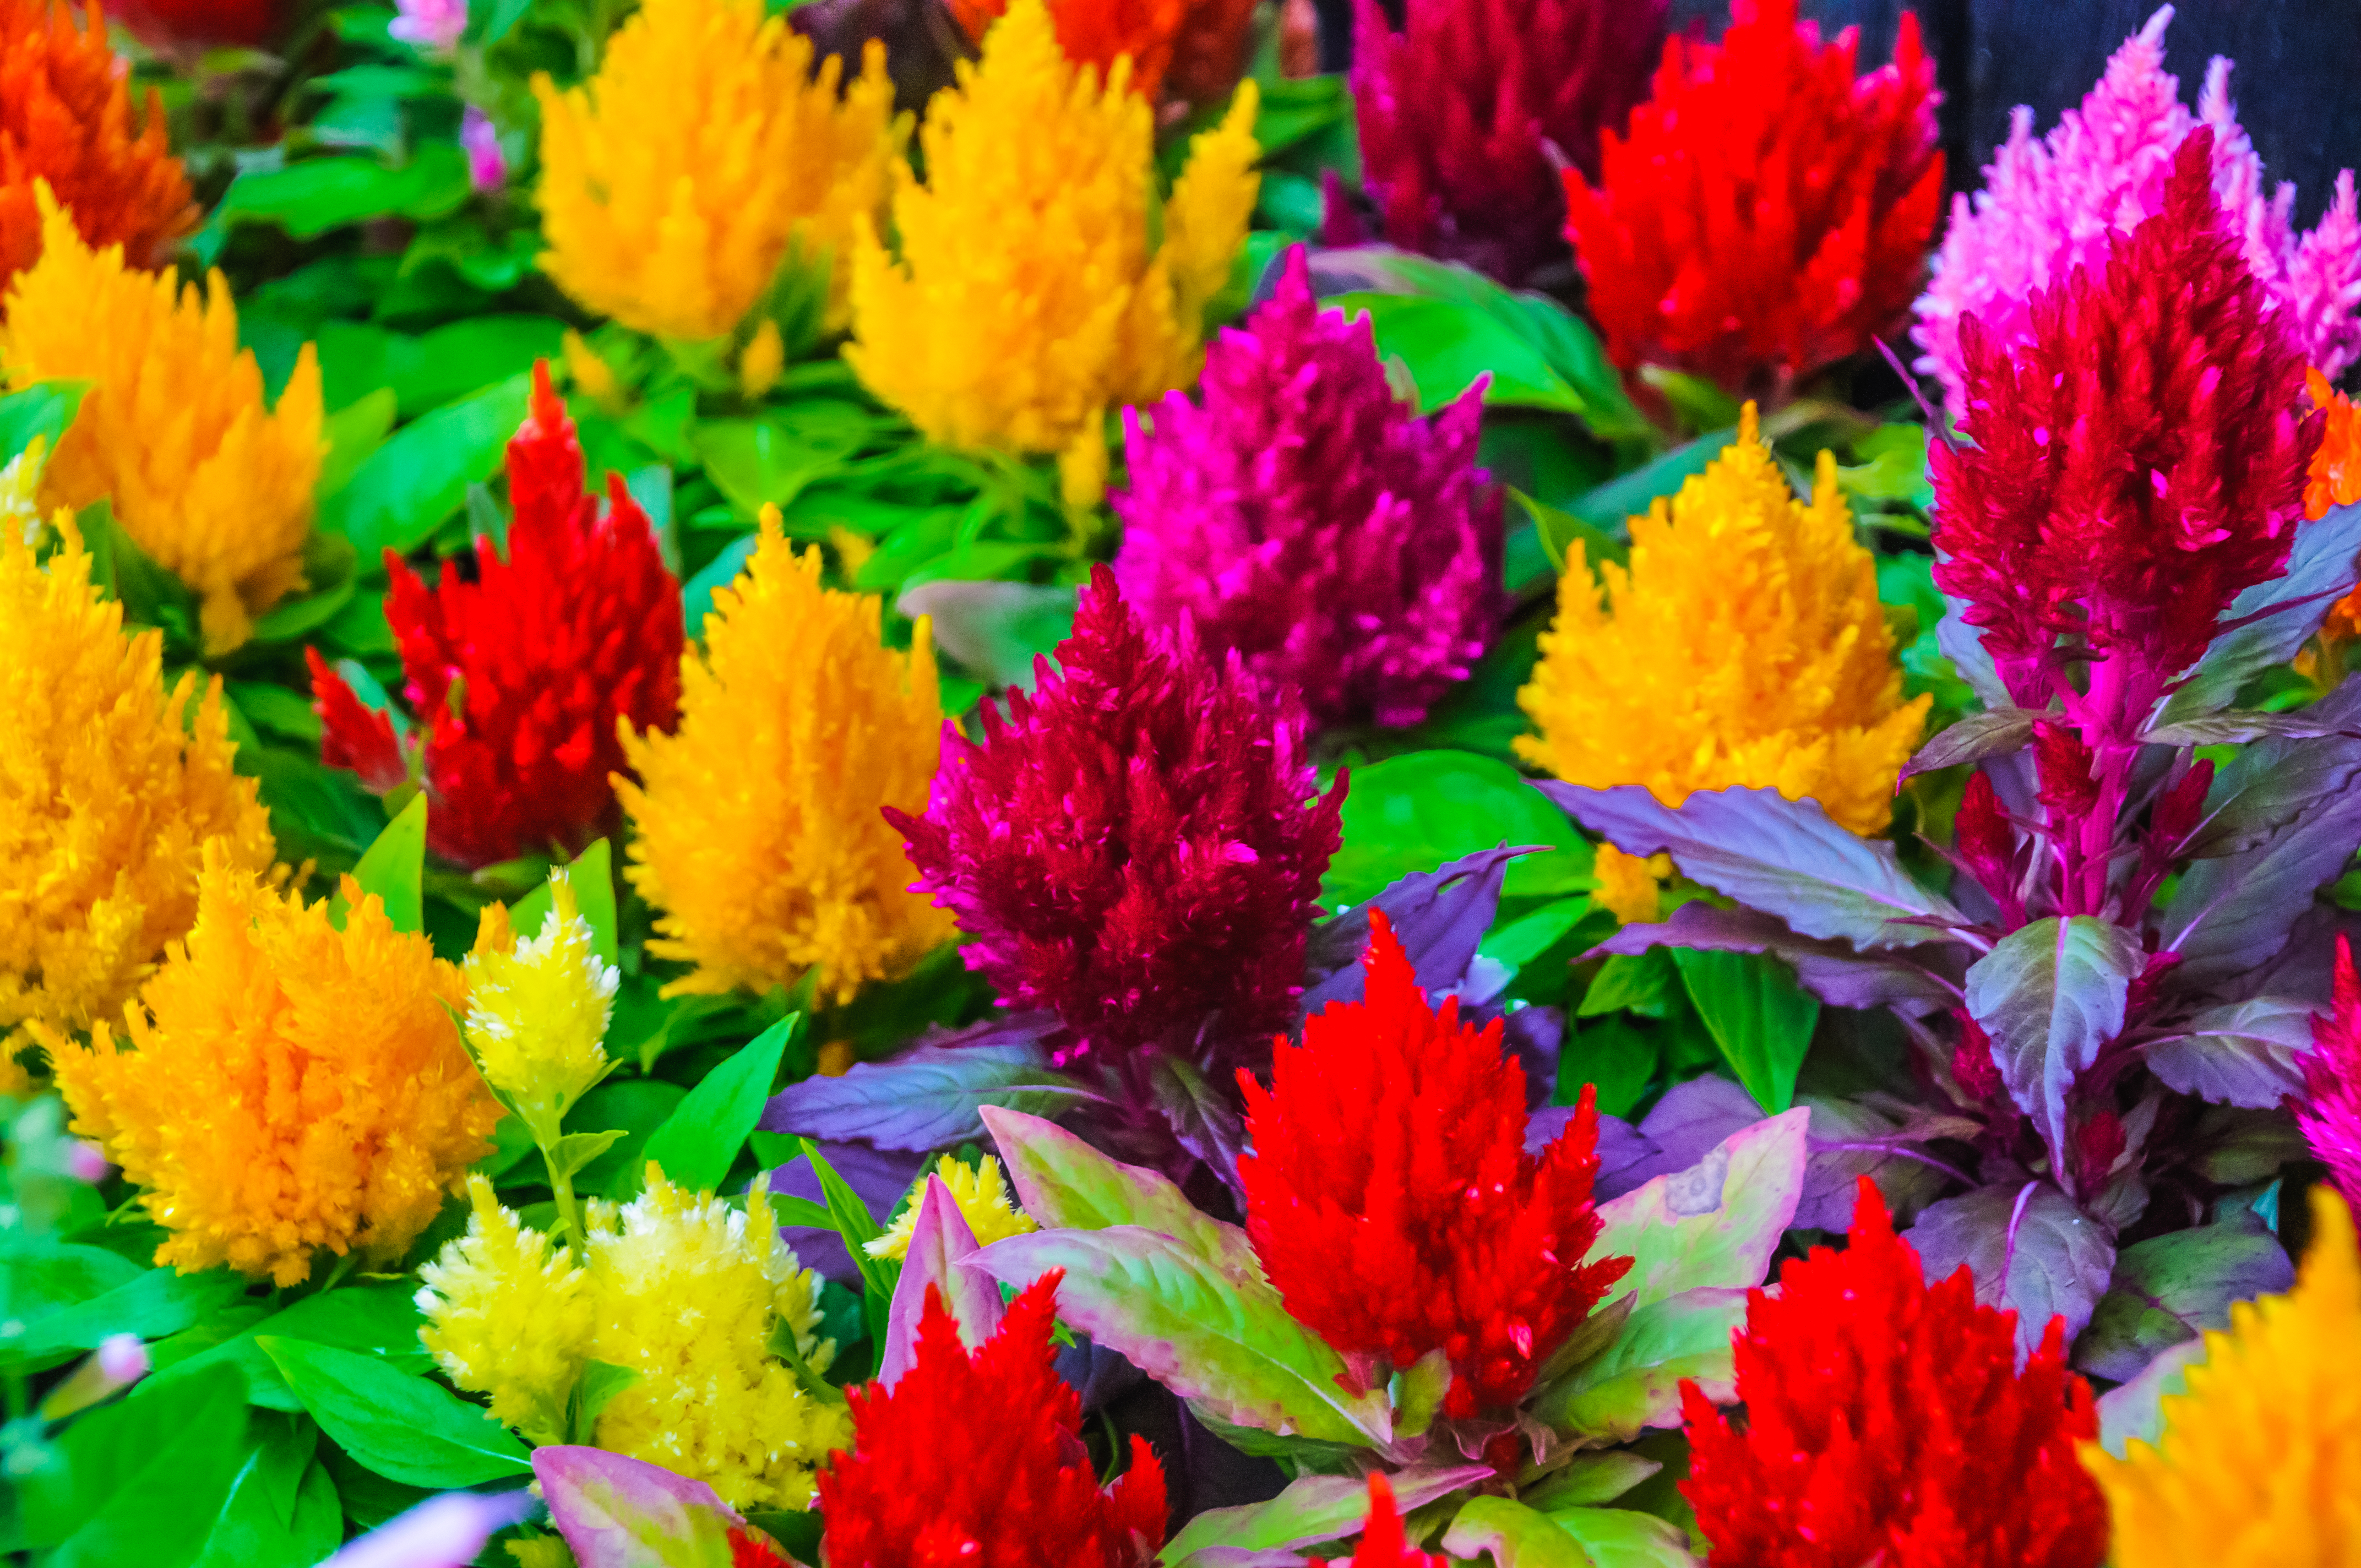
(211, 485)
(677, 180)
(756, 820)
(674, 1286)
(982, 1194)
(537, 1010)
(1744, 645)
(1027, 298)
(110, 790)
(291, 1088)
(2259, 1465)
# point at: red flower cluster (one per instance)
(1393, 1202)
(2330, 1111)
(929, 1484)
(1887, 1422)
(1137, 846)
(201, 24)
(1461, 112)
(1383, 1544)
(2136, 466)
(1766, 212)
(517, 679)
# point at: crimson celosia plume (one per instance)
(1393, 1205)
(975, 1459)
(2330, 1111)
(1137, 846)
(516, 679)
(1887, 1422)
(1767, 212)
(1383, 1544)
(201, 24)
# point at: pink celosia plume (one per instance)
(2330, 1111)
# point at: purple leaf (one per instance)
(1627, 1156)
(1837, 972)
(2241, 1053)
(940, 1237)
(1693, 1117)
(1992, 733)
(2136, 1409)
(927, 1098)
(2272, 619)
(2032, 1252)
(449, 1531)
(1203, 1120)
(2229, 915)
(1850, 1141)
(1960, 642)
(625, 1513)
(2266, 787)
(2051, 994)
(1770, 853)
(879, 1175)
(1438, 916)
(2173, 1288)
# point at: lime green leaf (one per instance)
(381, 1320)
(158, 1302)
(575, 1150)
(1620, 1538)
(1064, 1182)
(393, 868)
(1757, 1013)
(1635, 1383)
(408, 487)
(703, 1135)
(1716, 1223)
(402, 1427)
(282, 1511)
(1312, 1509)
(354, 432)
(132, 1475)
(1514, 1535)
(593, 876)
(310, 198)
(44, 409)
(1418, 811)
(1588, 1480)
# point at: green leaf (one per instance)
(134, 1475)
(1423, 809)
(1635, 1383)
(282, 1511)
(1630, 982)
(309, 198)
(601, 1381)
(637, 1105)
(858, 1227)
(45, 409)
(1625, 496)
(415, 482)
(160, 1302)
(757, 463)
(1716, 1223)
(1446, 345)
(697, 594)
(575, 1150)
(790, 1210)
(700, 1140)
(1560, 532)
(402, 1427)
(381, 1320)
(1620, 1538)
(355, 431)
(429, 370)
(1590, 1479)
(593, 876)
(1064, 1183)
(2171, 1288)
(1757, 1013)
(1615, 1057)
(1312, 1508)
(394, 869)
(1514, 1535)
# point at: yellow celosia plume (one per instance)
(203, 478)
(291, 1088)
(757, 831)
(110, 790)
(1026, 298)
(983, 1196)
(676, 182)
(537, 1010)
(509, 1316)
(1744, 645)
(2259, 1464)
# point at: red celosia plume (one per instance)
(1767, 212)
(1393, 1202)
(1383, 1545)
(975, 1460)
(516, 679)
(2330, 1111)
(1887, 1422)
(201, 24)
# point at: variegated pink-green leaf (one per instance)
(1715, 1224)
(940, 1237)
(1635, 1383)
(623, 1513)
(1312, 1508)
(1065, 1184)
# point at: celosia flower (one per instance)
(1887, 1421)
(1198, 45)
(1765, 213)
(291, 1088)
(1744, 645)
(519, 671)
(675, 222)
(1467, 115)
(508, 1316)
(1383, 1544)
(537, 1010)
(2330, 1111)
(65, 119)
(2134, 465)
(433, 26)
(983, 1200)
(1302, 516)
(756, 825)
(1393, 1205)
(1025, 301)
(199, 24)
(925, 1482)
(2062, 202)
(2334, 481)
(1137, 846)
(110, 790)
(1630, 887)
(686, 1291)
(2255, 1466)
(172, 428)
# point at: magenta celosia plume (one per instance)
(1137, 846)
(1302, 516)
(2057, 202)
(2330, 1111)
(1462, 111)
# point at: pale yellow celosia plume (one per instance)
(538, 1009)
(676, 182)
(983, 1198)
(1026, 298)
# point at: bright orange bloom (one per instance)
(2334, 481)
(65, 117)
(1197, 47)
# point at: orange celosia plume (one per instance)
(65, 116)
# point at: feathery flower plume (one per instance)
(2256, 1462)
(1195, 48)
(2334, 481)
(793, 691)
(1137, 846)
(1766, 212)
(291, 1088)
(674, 220)
(518, 673)
(537, 1010)
(2136, 464)
(174, 428)
(925, 1483)
(1301, 515)
(508, 1316)
(198, 24)
(65, 120)
(1382, 1543)
(111, 791)
(1393, 1205)
(983, 1198)
(2051, 205)
(1887, 1421)
(1025, 301)
(1744, 645)
(2330, 1110)
(1462, 113)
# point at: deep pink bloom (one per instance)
(2051, 205)
(487, 166)
(2330, 1111)
(1461, 112)
(515, 680)
(1302, 515)
(1137, 846)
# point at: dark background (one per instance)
(2297, 85)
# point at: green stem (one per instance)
(569, 1212)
